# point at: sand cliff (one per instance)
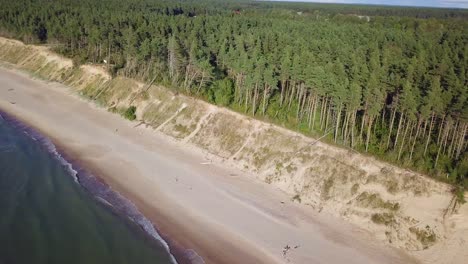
(401, 207)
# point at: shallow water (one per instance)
(47, 217)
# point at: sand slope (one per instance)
(394, 206)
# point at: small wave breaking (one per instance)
(94, 185)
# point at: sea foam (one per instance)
(94, 185)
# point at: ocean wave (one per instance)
(7, 148)
(121, 205)
(94, 185)
(44, 142)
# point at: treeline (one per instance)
(394, 86)
(372, 10)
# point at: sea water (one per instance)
(49, 214)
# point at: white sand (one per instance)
(221, 213)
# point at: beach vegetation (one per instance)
(297, 198)
(374, 201)
(383, 218)
(326, 188)
(222, 92)
(354, 188)
(425, 235)
(130, 113)
(392, 84)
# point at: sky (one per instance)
(430, 3)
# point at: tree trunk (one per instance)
(353, 124)
(398, 130)
(291, 95)
(309, 116)
(238, 89)
(448, 126)
(247, 97)
(337, 126)
(202, 81)
(415, 139)
(429, 135)
(452, 141)
(186, 77)
(254, 101)
(391, 127)
(440, 129)
(344, 130)
(266, 92)
(361, 131)
(315, 111)
(383, 118)
(344, 127)
(444, 136)
(403, 140)
(109, 56)
(323, 112)
(461, 141)
(299, 101)
(369, 129)
(327, 119)
(424, 129)
(305, 96)
(283, 87)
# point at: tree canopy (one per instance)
(390, 81)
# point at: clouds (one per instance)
(430, 3)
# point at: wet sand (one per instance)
(223, 214)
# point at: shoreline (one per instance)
(224, 219)
(172, 231)
(167, 233)
(97, 187)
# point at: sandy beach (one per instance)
(223, 214)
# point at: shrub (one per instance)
(383, 219)
(326, 188)
(297, 197)
(426, 235)
(373, 200)
(354, 188)
(460, 194)
(130, 113)
(223, 92)
(78, 60)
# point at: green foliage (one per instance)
(129, 113)
(391, 82)
(426, 235)
(297, 198)
(78, 60)
(223, 92)
(373, 200)
(460, 194)
(383, 218)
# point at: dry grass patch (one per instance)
(326, 188)
(223, 135)
(157, 112)
(426, 235)
(354, 188)
(374, 201)
(383, 219)
(185, 122)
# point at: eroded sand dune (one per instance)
(394, 206)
